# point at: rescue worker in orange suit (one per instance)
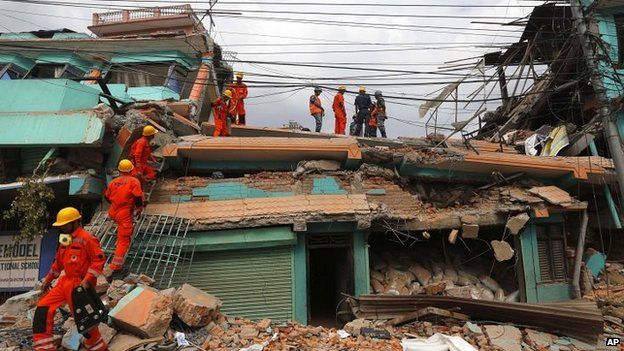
(239, 94)
(379, 112)
(222, 110)
(141, 153)
(80, 255)
(340, 112)
(126, 198)
(316, 109)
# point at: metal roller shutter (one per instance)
(254, 284)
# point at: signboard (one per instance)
(21, 263)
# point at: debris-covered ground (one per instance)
(186, 318)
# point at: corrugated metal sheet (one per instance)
(254, 284)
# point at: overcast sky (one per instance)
(237, 33)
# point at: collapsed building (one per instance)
(72, 102)
(283, 224)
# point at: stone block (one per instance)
(248, 332)
(19, 305)
(195, 307)
(502, 250)
(506, 337)
(473, 328)
(539, 339)
(516, 223)
(263, 324)
(470, 231)
(143, 312)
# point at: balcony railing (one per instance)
(140, 14)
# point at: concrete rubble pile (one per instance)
(607, 289)
(186, 318)
(396, 274)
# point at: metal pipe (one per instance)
(615, 216)
(578, 259)
(609, 127)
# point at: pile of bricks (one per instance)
(186, 318)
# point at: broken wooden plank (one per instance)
(426, 313)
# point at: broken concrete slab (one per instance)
(473, 328)
(552, 194)
(506, 337)
(195, 307)
(521, 195)
(143, 312)
(502, 250)
(516, 223)
(263, 324)
(125, 342)
(306, 167)
(248, 332)
(470, 231)
(144, 279)
(107, 332)
(19, 304)
(539, 339)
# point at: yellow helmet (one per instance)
(228, 93)
(125, 166)
(239, 75)
(362, 89)
(149, 131)
(342, 87)
(66, 215)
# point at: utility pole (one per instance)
(608, 125)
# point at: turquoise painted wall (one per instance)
(537, 291)
(17, 36)
(20, 61)
(49, 95)
(152, 93)
(300, 281)
(49, 129)
(361, 264)
(235, 190)
(66, 36)
(157, 56)
(241, 239)
(66, 58)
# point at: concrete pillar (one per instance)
(198, 92)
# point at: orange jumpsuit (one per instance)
(340, 113)
(83, 258)
(372, 123)
(124, 194)
(221, 111)
(238, 100)
(140, 153)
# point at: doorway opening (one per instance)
(330, 273)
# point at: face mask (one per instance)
(65, 239)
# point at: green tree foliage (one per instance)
(29, 208)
